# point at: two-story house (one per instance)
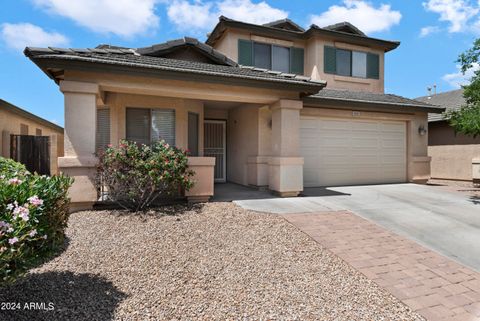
(272, 105)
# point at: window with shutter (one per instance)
(297, 61)
(373, 66)
(103, 129)
(163, 125)
(245, 52)
(344, 62)
(138, 125)
(329, 60)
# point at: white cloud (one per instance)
(186, 15)
(455, 12)
(428, 30)
(247, 11)
(20, 35)
(120, 17)
(204, 15)
(360, 13)
(457, 79)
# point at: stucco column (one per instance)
(79, 141)
(418, 159)
(286, 165)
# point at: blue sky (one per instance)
(432, 34)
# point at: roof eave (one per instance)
(368, 105)
(225, 23)
(303, 88)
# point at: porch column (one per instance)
(79, 160)
(286, 165)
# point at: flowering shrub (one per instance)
(136, 175)
(33, 217)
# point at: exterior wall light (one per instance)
(422, 131)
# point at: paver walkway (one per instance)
(431, 284)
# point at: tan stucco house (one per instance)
(454, 155)
(272, 106)
(17, 121)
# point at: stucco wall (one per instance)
(314, 66)
(10, 124)
(453, 161)
(314, 48)
(242, 141)
(118, 104)
(440, 133)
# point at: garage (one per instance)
(349, 152)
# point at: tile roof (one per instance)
(131, 58)
(345, 27)
(343, 31)
(371, 98)
(166, 47)
(450, 100)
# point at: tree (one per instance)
(467, 119)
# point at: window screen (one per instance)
(163, 125)
(38, 132)
(262, 55)
(344, 62)
(193, 134)
(103, 128)
(359, 64)
(138, 125)
(23, 129)
(281, 59)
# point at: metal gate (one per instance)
(32, 151)
(214, 146)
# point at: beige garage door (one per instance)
(346, 152)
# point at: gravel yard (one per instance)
(211, 262)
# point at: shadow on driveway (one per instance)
(60, 296)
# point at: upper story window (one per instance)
(351, 63)
(273, 57)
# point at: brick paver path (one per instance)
(429, 283)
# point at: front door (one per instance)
(215, 146)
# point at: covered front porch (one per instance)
(247, 136)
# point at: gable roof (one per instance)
(285, 24)
(346, 27)
(5, 105)
(343, 32)
(450, 100)
(162, 49)
(369, 100)
(53, 60)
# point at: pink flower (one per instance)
(10, 230)
(35, 201)
(32, 233)
(21, 212)
(13, 240)
(45, 236)
(14, 181)
(10, 207)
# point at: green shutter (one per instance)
(296, 60)
(245, 52)
(373, 66)
(329, 60)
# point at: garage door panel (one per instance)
(346, 152)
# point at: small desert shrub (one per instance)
(135, 176)
(33, 217)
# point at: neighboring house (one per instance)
(16, 121)
(452, 154)
(250, 104)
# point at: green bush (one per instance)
(135, 176)
(33, 217)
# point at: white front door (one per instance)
(215, 146)
(350, 152)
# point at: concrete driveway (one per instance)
(445, 221)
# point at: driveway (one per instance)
(445, 221)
